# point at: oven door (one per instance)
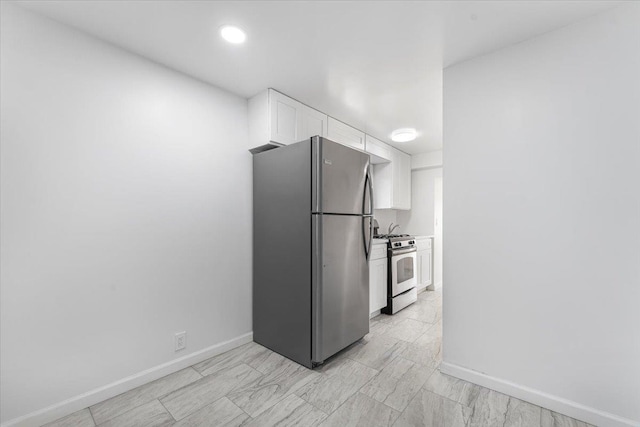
(403, 271)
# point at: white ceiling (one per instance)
(376, 65)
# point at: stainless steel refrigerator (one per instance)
(312, 235)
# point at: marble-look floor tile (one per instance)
(378, 352)
(392, 319)
(251, 354)
(292, 411)
(397, 383)
(124, 402)
(327, 392)
(284, 378)
(81, 418)
(377, 329)
(408, 329)
(397, 367)
(436, 329)
(221, 413)
(553, 419)
(425, 312)
(361, 411)
(453, 388)
(489, 409)
(199, 394)
(439, 316)
(430, 295)
(432, 334)
(151, 414)
(430, 409)
(522, 414)
(428, 355)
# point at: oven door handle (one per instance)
(395, 252)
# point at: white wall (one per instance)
(385, 217)
(429, 159)
(542, 208)
(119, 178)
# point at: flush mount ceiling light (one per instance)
(233, 34)
(404, 135)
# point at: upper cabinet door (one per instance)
(406, 181)
(379, 151)
(345, 134)
(286, 118)
(313, 123)
(402, 180)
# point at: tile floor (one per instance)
(389, 378)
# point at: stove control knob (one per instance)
(411, 242)
(396, 244)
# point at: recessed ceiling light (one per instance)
(404, 135)
(233, 34)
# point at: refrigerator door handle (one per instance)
(367, 246)
(368, 215)
(370, 237)
(369, 180)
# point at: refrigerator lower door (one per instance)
(340, 284)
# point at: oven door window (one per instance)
(404, 269)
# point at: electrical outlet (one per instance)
(180, 340)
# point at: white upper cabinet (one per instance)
(402, 180)
(392, 182)
(345, 134)
(378, 150)
(313, 123)
(274, 117)
(286, 118)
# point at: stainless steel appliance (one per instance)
(312, 236)
(402, 272)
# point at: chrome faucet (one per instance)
(394, 227)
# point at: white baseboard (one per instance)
(108, 391)
(554, 403)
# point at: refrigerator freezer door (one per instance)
(340, 284)
(339, 179)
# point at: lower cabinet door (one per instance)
(423, 259)
(428, 268)
(377, 284)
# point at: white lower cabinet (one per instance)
(424, 261)
(378, 278)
